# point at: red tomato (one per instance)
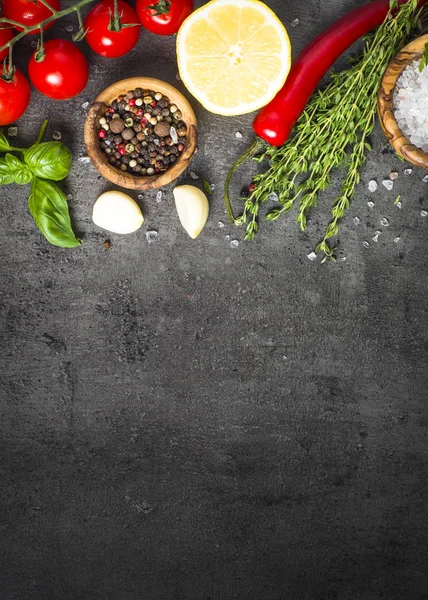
(102, 38)
(167, 16)
(29, 12)
(14, 97)
(6, 34)
(63, 73)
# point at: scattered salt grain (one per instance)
(312, 256)
(151, 235)
(85, 105)
(393, 175)
(56, 135)
(370, 204)
(84, 160)
(376, 238)
(424, 213)
(397, 239)
(227, 238)
(407, 171)
(34, 43)
(343, 259)
(238, 135)
(234, 244)
(69, 196)
(159, 196)
(372, 186)
(295, 23)
(388, 184)
(384, 222)
(193, 175)
(357, 220)
(425, 179)
(69, 28)
(410, 106)
(12, 131)
(140, 196)
(399, 205)
(273, 197)
(366, 245)
(221, 224)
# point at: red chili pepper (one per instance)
(276, 120)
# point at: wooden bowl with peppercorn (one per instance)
(140, 133)
(385, 103)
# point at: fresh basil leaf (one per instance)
(49, 160)
(21, 173)
(6, 174)
(4, 144)
(49, 209)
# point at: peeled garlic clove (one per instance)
(192, 207)
(117, 212)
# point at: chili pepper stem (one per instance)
(248, 154)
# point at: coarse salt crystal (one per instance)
(238, 135)
(407, 171)
(370, 204)
(424, 213)
(372, 186)
(388, 184)
(312, 256)
(357, 220)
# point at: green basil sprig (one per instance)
(42, 164)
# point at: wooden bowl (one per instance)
(401, 144)
(99, 158)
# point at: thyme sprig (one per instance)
(331, 133)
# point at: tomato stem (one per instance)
(115, 23)
(161, 8)
(56, 14)
(40, 52)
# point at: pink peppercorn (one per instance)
(102, 134)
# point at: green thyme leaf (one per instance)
(207, 188)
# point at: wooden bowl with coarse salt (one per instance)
(99, 158)
(401, 144)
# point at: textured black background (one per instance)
(188, 421)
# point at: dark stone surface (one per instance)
(188, 421)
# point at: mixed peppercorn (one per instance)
(142, 133)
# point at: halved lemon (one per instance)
(233, 55)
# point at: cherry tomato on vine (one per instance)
(14, 97)
(6, 34)
(28, 12)
(107, 33)
(62, 74)
(163, 17)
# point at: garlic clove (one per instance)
(192, 207)
(117, 212)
